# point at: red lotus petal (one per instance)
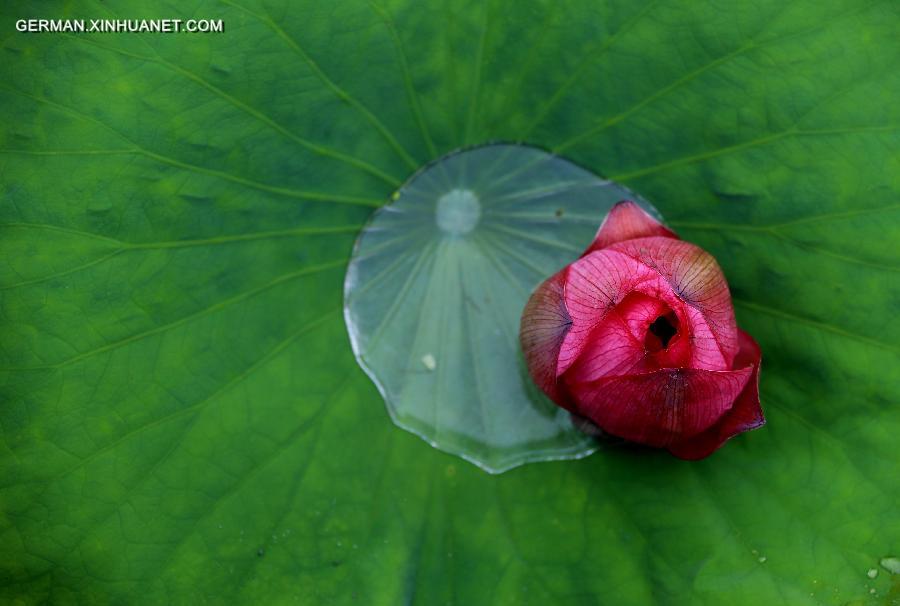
(746, 414)
(678, 354)
(660, 408)
(616, 346)
(695, 277)
(695, 346)
(627, 220)
(594, 285)
(544, 324)
(638, 311)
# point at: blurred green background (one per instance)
(182, 420)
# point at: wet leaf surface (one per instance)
(183, 419)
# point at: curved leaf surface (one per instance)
(182, 418)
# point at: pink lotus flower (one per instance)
(638, 336)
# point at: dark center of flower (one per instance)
(662, 329)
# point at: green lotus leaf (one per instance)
(183, 419)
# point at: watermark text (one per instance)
(115, 26)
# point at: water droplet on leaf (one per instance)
(891, 564)
(438, 281)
